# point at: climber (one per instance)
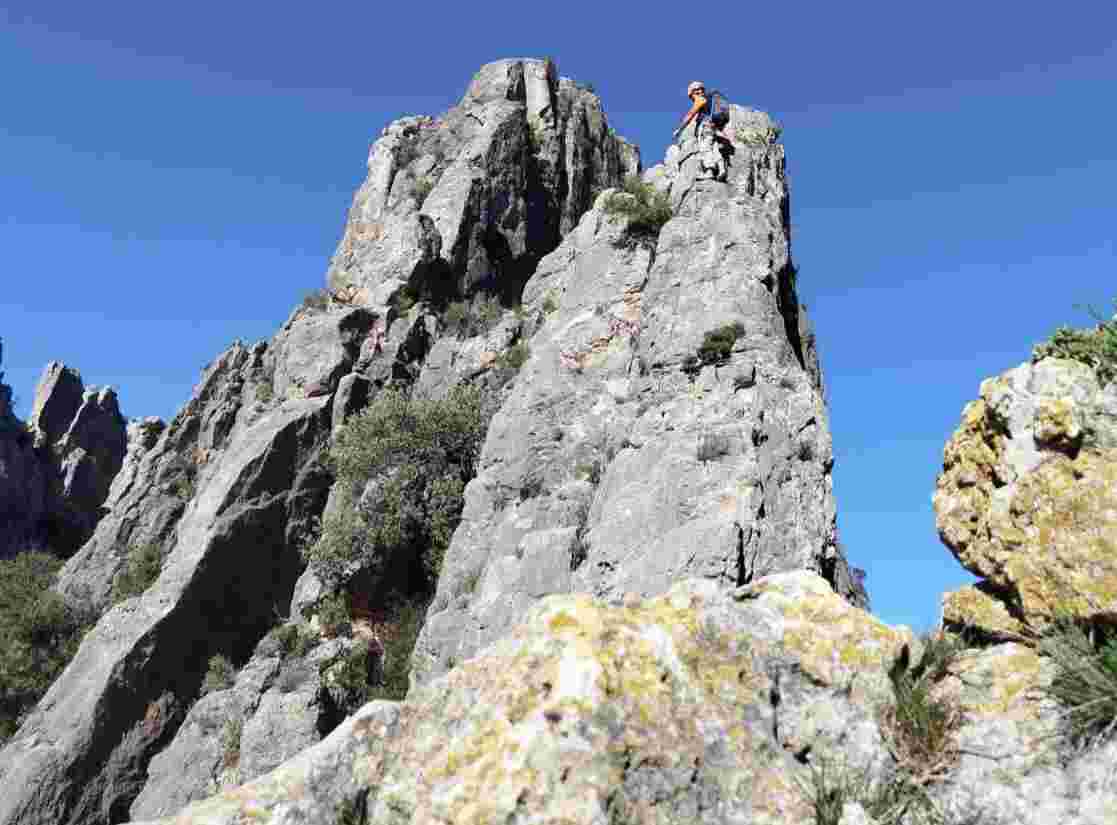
(699, 109)
(712, 148)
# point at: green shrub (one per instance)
(294, 640)
(717, 344)
(264, 392)
(406, 298)
(183, 487)
(219, 676)
(474, 317)
(230, 741)
(919, 728)
(1095, 347)
(317, 300)
(421, 452)
(39, 634)
(648, 208)
(423, 187)
(403, 626)
(550, 304)
(139, 573)
(333, 615)
(1085, 682)
(515, 356)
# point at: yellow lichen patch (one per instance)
(1056, 422)
(970, 607)
(1005, 682)
(833, 640)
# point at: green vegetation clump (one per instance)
(139, 573)
(920, 727)
(333, 615)
(1095, 347)
(648, 208)
(418, 455)
(220, 675)
(1085, 682)
(317, 300)
(402, 630)
(475, 317)
(230, 741)
(717, 345)
(294, 640)
(550, 304)
(423, 187)
(515, 356)
(264, 392)
(39, 634)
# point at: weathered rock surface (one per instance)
(1011, 766)
(274, 711)
(23, 480)
(686, 708)
(1027, 499)
(57, 470)
(617, 463)
(474, 198)
(233, 557)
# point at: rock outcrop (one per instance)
(1027, 500)
(623, 459)
(691, 707)
(620, 461)
(57, 469)
(473, 199)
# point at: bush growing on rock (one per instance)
(219, 676)
(423, 187)
(717, 344)
(402, 465)
(475, 317)
(333, 615)
(647, 208)
(1095, 347)
(139, 573)
(39, 634)
(1085, 682)
(317, 300)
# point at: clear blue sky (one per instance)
(176, 175)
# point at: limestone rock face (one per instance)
(685, 708)
(233, 556)
(59, 468)
(1010, 769)
(23, 479)
(475, 197)
(619, 461)
(1027, 499)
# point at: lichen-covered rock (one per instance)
(664, 710)
(1027, 499)
(1011, 767)
(621, 461)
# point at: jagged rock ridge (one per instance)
(56, 470)
(729, 462)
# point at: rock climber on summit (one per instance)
(699, 109)
(712, 149)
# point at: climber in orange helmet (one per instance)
(699, 109)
